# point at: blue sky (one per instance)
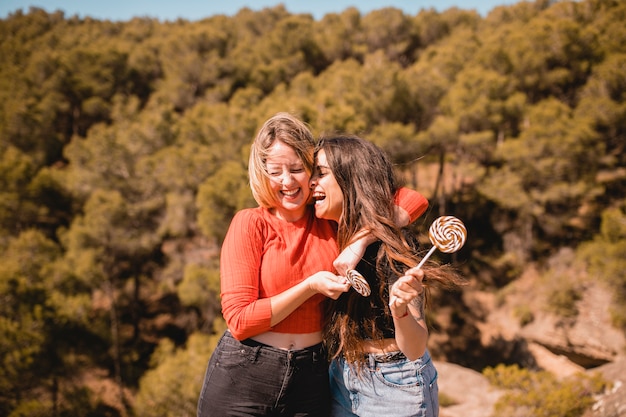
(198, 9)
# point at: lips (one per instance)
(318, 197)
(290, 193)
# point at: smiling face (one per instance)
(327, 194)
(289, 181)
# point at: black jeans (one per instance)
(249, 378)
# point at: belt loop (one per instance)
(372, 360)
(251, 352)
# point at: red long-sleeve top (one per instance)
(263, 255)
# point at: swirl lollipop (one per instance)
(358, 282)
(448, 234)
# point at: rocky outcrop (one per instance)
(589, 340)
(521, 315)
(467, 393)
(464, 392)
(612, 403)
(520, 324)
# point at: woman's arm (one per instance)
(408, 314)
(245, 313)
(409, 206)
(240, 264)
(322, 282)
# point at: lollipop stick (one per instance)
(430, 252)
(446, 233)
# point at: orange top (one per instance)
(263, 255)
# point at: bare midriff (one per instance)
(295, 341)
(379, 346)
(289, 341)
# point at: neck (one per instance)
(289, 215)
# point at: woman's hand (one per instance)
(328, 284)
(351, 255)
(404, 290)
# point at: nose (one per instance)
(313, 181)
(286, 178)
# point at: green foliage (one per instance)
(606, 256)
(524, 315)
(541, 394)
(562, 302)
(220, 197)
(31, 408)
(398, 140)
(446, 400)
(200, 288)
(484, 99)
(27, 317)
(122, 143)
(563, 282)
(172, 386)
(548, 171)
(16, 169)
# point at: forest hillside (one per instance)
(123, 157)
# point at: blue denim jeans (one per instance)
(398, 388)
(249, 378)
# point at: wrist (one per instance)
(401, 316)
(310, 285)
(364, 238)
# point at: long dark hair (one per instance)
(367, 179)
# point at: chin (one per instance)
(319, 213)
(292, 205)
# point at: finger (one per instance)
(407, 291)
(336, 278)
(342, 280)
(415, 272)
(408, 284)
(392, 301)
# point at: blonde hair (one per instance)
(292, 132)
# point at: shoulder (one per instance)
(248, 214)
(250, 219)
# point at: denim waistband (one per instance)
(387, 357)
(391, 357)
(316, 352)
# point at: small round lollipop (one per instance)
(448, 234)
(358, 282)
